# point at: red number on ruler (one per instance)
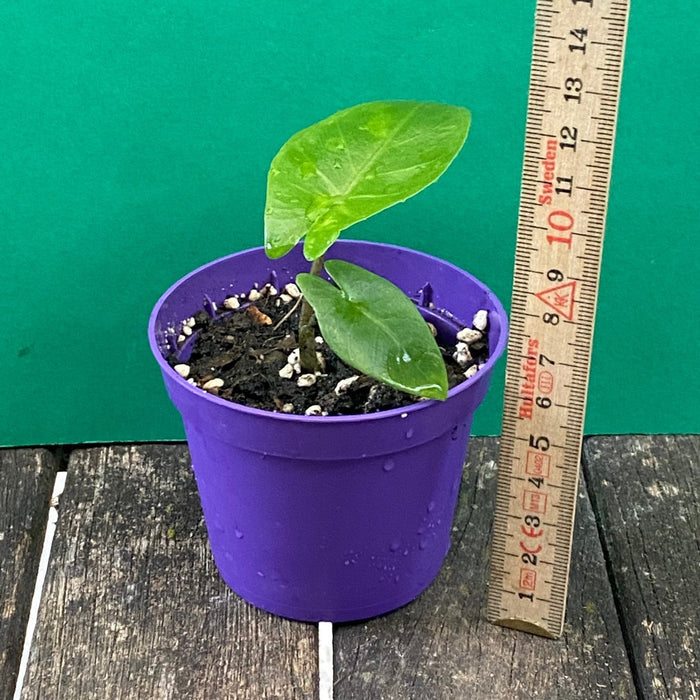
(560, 220)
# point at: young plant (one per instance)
(333, 174)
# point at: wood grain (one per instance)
(645, 492)
(26, 482)
(133, 605)
(441, 646)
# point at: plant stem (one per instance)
(307, 329)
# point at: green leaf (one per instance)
(354, 164)
(375, 328)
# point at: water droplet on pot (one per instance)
(405, 552)
(422, 544)
(261, 574)
(431, 506)
(421, 529)
(455, 433)
(397, 579)
(388, 465)
(394, 545)
(239, 534)
(409, 433)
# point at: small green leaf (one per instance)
(354, 164)
(375, 328)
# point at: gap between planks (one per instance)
(52, 521)
(325, 661)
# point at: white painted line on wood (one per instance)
(325, 661)
(58, 487)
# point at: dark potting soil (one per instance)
(238, 355)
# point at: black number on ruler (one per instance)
(530, 529)
(585, 2)
(539, 443)
(564, 185)
(580, 35)
(568, 134)
(573, 87)
(552, 319)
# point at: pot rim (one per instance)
(494, 353)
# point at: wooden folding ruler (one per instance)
(577, 59)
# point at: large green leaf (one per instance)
(373, 326)
(354, 164)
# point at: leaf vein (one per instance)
(382, 147)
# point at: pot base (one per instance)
(334, 615)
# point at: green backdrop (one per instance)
(135, 139)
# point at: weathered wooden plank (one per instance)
(133, 606)
(645, 494)
(26, 481)
(441, 646)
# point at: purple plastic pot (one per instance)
(329, 518)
